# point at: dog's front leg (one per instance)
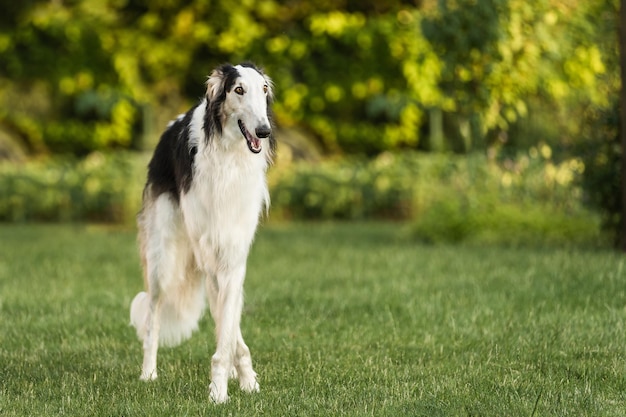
(228, 317)
(243, 365)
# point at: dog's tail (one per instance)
(180, 312)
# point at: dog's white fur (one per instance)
(194, 245)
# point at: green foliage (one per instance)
(398, 178)
(450, 199)
(528, 199)
(602, 177)
(54, 53)
(447, 197)
(361, 77)
(373, 106)
(342, 320)
(98, 188)
(344, 189)
(508, 53)
(454, 219)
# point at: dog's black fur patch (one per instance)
(170, 169)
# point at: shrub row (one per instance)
(101, 188)
(446, 197)
(531, 198)
(344, 189)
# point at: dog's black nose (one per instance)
(263, 132)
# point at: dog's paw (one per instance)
(148, 375)
(250, 386)
(218, 395)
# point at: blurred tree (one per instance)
(361, 76)
(622, 125)
(602, 152)
(500, 55)
(598, 140)
(358, 81)
(52, 61)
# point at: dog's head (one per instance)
(238, 100)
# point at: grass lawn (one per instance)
(341, 319)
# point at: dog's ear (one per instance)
(215, 84)
(220, 80)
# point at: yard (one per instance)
(342, 319)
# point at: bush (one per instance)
(528, 199)
(505, 223)
(347, 189)
(101, 187)
(447, 198)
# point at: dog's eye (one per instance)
(265, 88)
(239, 90)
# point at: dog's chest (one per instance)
(226, 194)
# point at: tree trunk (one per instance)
(622, 122)
(436, 138)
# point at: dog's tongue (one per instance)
(254, 144)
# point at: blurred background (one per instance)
(484, 120)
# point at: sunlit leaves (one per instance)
(360, 76)
(335, 23)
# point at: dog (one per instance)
(205, 193)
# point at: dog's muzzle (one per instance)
(254, 142)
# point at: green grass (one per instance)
(341, 319)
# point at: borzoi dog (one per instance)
(205, 192)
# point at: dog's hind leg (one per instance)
(151, 340)
(159, 231)
(145, 316)
(147, 306)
